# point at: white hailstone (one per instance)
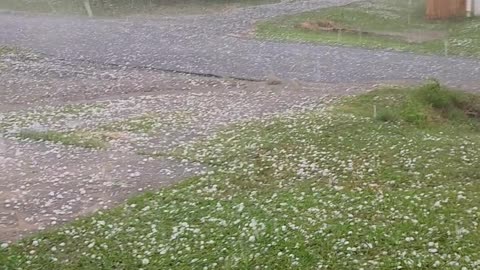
(409, 239)
(135, 174)
(253, 223)
(240, 207)
(338, 188)
(35, 243)
(4, 245)
(145, 261)
(251, 238)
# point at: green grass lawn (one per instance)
(384, 180)
(461, 36)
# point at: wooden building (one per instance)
(446, 9)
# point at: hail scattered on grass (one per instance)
(325, 189)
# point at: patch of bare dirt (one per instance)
(410, 36)
(323, 26)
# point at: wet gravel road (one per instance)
(218, 44)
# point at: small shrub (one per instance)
(432, 94)
(387, 116)
(413, 112)
(445, 104)
(424, 106)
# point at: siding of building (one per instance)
(444, 9)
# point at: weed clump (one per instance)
(428, 105)
(387, 116)
(66, 138)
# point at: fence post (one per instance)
(88, 8)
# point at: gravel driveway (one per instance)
(218, 44)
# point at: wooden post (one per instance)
(469, 8)
(88, 7)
